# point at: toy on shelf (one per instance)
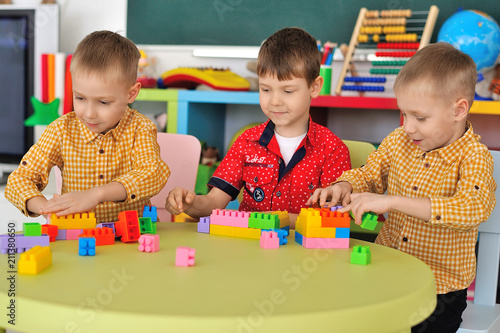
(322, 228)
(242, 224)
(145, 72)
(388, 38)
(184, 256)
(190, 78)
(35, 260)
(361, 255)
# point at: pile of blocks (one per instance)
(323, 228)
(244, 224)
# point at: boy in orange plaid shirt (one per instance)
(438, 178)
(107, 152)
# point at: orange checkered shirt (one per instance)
(128, 154)
(457, 178)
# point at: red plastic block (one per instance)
(127, 226)
(184, 256)
(269, 240)
(51, 230)
(149, 243)
(103, 236)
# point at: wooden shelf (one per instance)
(378, 103)
(485, 107)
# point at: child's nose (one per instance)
(408, 126)
(90, 113)
(276, 99)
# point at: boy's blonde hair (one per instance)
(289, 53)
(109, 55)
(441, 71)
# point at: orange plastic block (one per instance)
(74, 221)
(35, 260)
(127, 226)
(334, 219)
(51, 230)
(103, 236)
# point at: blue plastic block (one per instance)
(86, 246)
(151, 212)
(298, 238)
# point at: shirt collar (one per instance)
(267, 133)
(452, 151)
(116, 132)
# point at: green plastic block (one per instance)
(147, 226)
(32, 229)
(368, 220)
(263, 221)
(361, 255)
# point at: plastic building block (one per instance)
(128, 226)
(368, 220)
(86, 246)
(323, 243)
(32, 229)
(334, 219)
(107, 225)
(283, 217)
(204, 225)
(247, 233)
(20, 243)
(151, 212)
(74, 221)
(61, 234)
(35, 260)
(263, 221)
(282, 235)
(298, 238)
(269, 240)
(232, 218)
(184, 256)
(73, 234)
(50, 230)
(103, 236)
(361, 255)
(147, 226)
(149, 243)
(342, 232)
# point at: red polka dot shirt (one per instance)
(254, 163)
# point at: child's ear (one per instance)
(316, 86)
(461, 109)
(133, 92)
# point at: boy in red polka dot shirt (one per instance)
(281, 162)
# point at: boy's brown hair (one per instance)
(289, 53)
(440, 70)
(109, 55)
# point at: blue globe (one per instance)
(474, 33)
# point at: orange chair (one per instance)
(182, 154)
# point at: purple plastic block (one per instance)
(334, 208)
(22, 243)
(204, 225)
(107, 225)
(61, 234)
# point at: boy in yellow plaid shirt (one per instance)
(107, 152)
(437, 175)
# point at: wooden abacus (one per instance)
(393, 31)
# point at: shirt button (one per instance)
(311, 186)
(278, 194)
(24, 163)
(476, 187)
(405, 239)
(101, 176)
(427, 165)
(132, 196)
(415, 188)
(438, 217)
(101, 151)
(279, 161)
(256, 179)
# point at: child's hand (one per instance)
(366, 202)
(179, 200)
(339, 192)
(70, 203)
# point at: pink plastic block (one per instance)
(72, 234)
(184, 256)
(231, 218)
(325, 243)
(149, 243)
(269, 240)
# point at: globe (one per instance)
(474, 33)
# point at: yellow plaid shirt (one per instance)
(128, 154)
(458, 179)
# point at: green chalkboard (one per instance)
(249, 22)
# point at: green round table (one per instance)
(234, 286)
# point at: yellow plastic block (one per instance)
(35, 260)
(318, 232)
(74, 221)
(222, 230)
(283, 217)
(247, 233)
